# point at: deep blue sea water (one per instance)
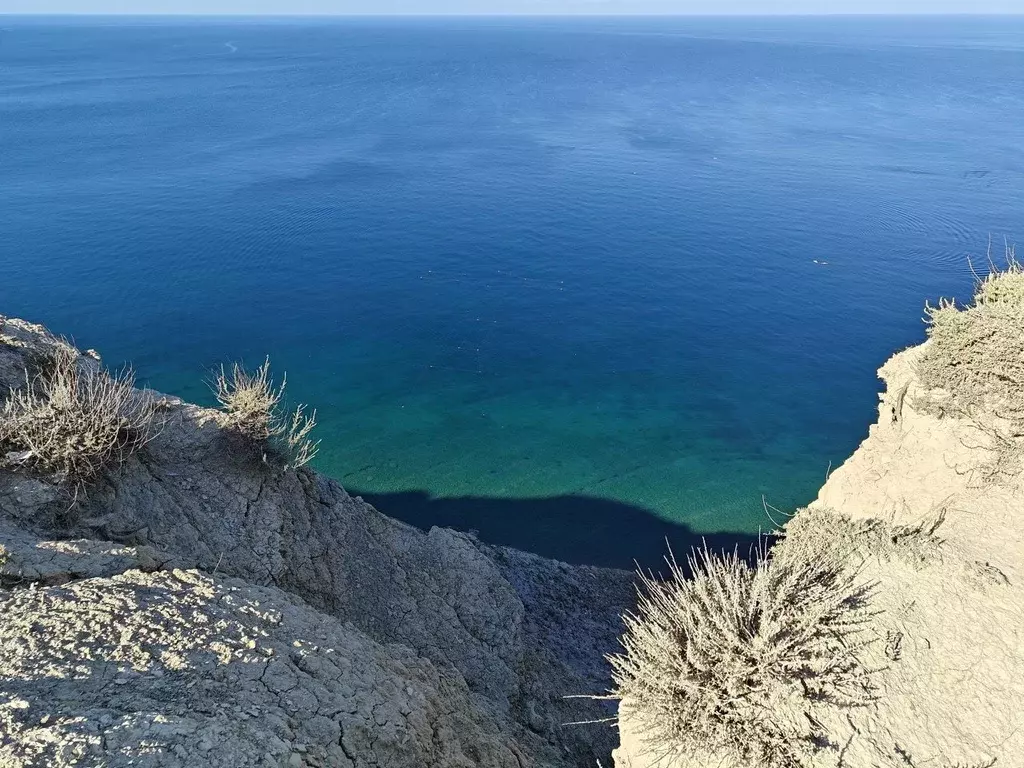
(576, 284)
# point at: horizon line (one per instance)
(444, 14)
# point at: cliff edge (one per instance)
(198, 606)
(924, 522)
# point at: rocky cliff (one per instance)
(197, 606)
(926, 516)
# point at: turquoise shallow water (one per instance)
(580, 285)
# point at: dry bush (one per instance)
(973, 366)
(72, 421)
(1002, 286)
(250, 399)
(821, 532)
(975, 361)
(736, 660)
(253, 403)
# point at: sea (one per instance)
(588, 287)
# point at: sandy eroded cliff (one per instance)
(926, 515)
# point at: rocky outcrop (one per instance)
(468, 651)
(920, 514)
(181, 668)
(199, 607)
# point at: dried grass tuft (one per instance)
(72, 421)
(253, 403)
(737, 660)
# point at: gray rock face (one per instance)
(180, 668)
(512, 634)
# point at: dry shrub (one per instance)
(737, 660)
(975, 361)
(973, 366)
(73, 421)
(821, 532)
(254, 405)
(1002, 286)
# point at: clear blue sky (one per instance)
(510, 6)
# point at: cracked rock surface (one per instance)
(491, 640)
(181, 668)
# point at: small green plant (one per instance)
(253, 404)
(736, 660)
(73, 421)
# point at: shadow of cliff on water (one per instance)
(580, 530)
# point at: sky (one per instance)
(340, 7)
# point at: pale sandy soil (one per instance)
(916, 512)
